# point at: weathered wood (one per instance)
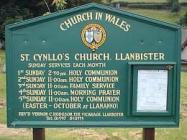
(149, 134)
(38, 134)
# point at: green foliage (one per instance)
(10, 12)
(107, 1)
(2, 98)
(60, 4)
(74, 3)
(3, 86)
(2, 57)
(3, 113)
(163, 15)
(15, 138)
(183, 20)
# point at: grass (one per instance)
(2, 76)
(15, 138)
(3, 84)
(163, 15)
(3, 113)
(2, 97)
(2, 57)
(177, 133)
(2, 88)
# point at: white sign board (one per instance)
(152, 90)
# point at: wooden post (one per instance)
(149, 134)
(38, 134)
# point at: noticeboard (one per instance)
(93, 66)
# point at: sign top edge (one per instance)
(91, 6)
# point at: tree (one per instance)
(11, 12)
(60, 4)
(175, 6)
(16, 10)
